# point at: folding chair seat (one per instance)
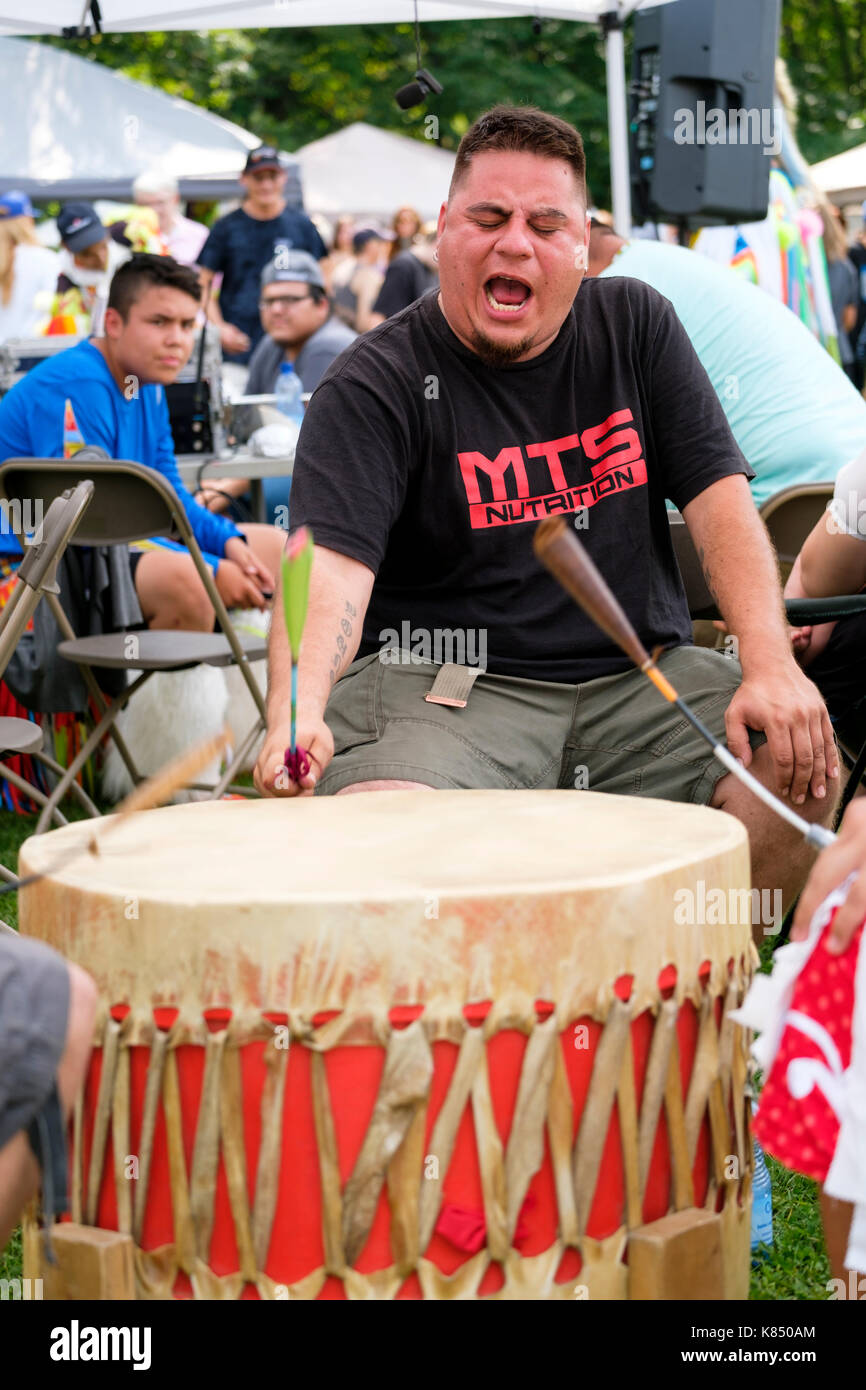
(19, 736)
(132, 503)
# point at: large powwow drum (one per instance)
(413, 1045)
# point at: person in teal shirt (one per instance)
(109, 392)
(792, 410)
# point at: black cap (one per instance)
(264, 157)
(79, 226)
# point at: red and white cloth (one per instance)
(811, 1017)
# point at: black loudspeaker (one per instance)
(703, 122)
(189, 413)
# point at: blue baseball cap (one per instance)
(15, 204)
(79, 226)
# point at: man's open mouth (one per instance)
(506, 295)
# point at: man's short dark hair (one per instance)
(520, 128)
(141, 272)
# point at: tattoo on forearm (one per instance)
(343, 639)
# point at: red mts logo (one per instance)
(619, 464)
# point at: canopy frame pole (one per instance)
(612, 25)
(84, 30)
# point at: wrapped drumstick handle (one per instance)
(559, 549)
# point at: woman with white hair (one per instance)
(28, 271)
(183, 237)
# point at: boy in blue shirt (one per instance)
(108, 391)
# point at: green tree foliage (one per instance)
(291, 86)
(824, 45)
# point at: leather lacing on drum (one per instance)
(394, 1149)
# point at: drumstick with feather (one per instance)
(153, 792)
(297, 563)
(562, 553)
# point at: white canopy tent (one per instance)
(57, 16)
(843, 176)
(369, 172)
(73, 128)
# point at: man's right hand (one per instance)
(233, 339)
(271, 777)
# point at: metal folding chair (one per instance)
(131, 503)
(36, 578)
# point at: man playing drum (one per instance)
(429, 452)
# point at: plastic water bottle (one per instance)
(288, 393)
(762, 1200)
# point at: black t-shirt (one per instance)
(406, 279)
(434, 469)
(240, 247)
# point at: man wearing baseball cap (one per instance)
(243, 242)
(298, 323)
(90, 254)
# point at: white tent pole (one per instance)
(617, 122)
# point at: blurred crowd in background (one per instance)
(338, 278)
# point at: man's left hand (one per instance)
(245, 558)
(788, 708)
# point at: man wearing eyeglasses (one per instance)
(298, 324)
(243, 242)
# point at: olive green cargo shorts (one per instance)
(612, 734)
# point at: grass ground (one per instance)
(795, 1268)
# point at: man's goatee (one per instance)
(494, 354)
